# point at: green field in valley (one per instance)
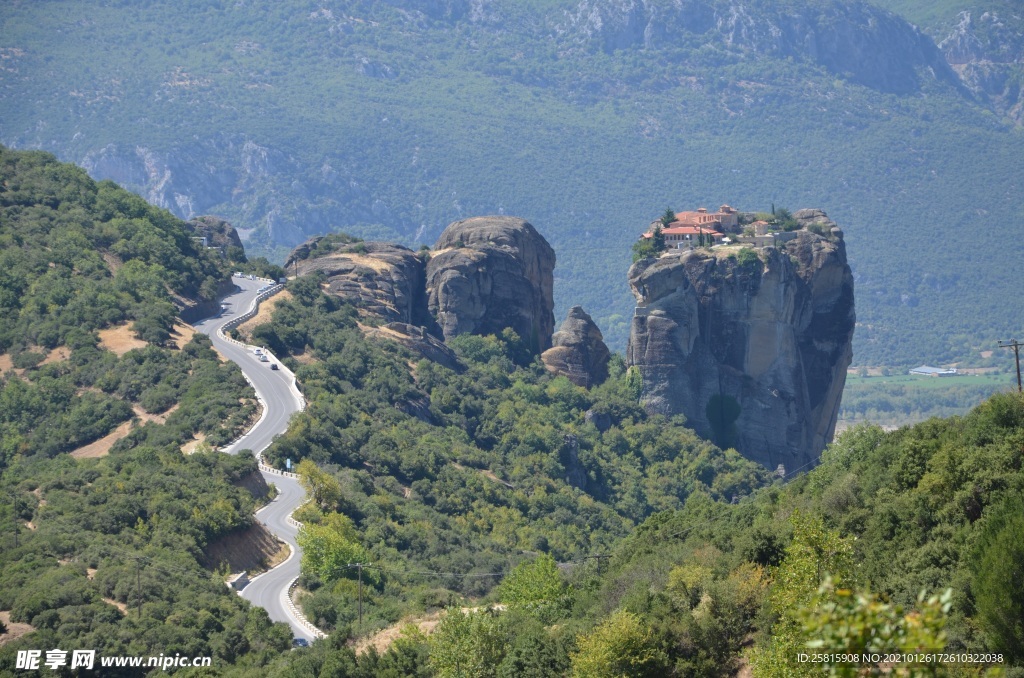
(900, 399)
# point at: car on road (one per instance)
(264, 359)
(258, 351)
(273, 366)
(300, 642)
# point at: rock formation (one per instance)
(417, 340)
(578, 350)
(382, 279)
(218, 233)
(489, 273)
(752, 350)
(485, 274)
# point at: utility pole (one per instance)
(359, 567)
(1015, 345)
(138, 583)
(15, 503)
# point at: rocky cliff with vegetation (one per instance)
(986, 49)
(750, 345)
(383, 279)
(582, 105)
(484, 275)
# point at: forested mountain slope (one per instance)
(448, 478)
(615, 540)
(96, 363)
(586, 117)
(922, 524)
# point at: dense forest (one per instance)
(629, 549)
(84, 538)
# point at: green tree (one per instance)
(537, 587)
(643, 248)
(668, 217)
(815, 554)
(622, 645)
(329, 552)
(658, 239)
(838, 620)
(468, 644)
(154, 322)
(997, 565)
(322, 487)
(634, 382)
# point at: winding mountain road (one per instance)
(280, 401)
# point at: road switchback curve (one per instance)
(280, 400)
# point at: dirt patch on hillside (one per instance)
(15, 630)
(145, 416)
(57, 355)
(101, 447)
(191, 446)
(121, 606)
(262, 316)
(304, 358)
(181, 334)
(486, 473)
(5, 363)
(372, 263)
(253, 549)
(382, 640)
(113, 261)
(120, 339)
(426, 624)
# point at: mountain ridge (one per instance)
(510, 120)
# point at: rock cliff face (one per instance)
(753, 351)
(383, 279)
(986, 49)
(854, 40)
(485, 274)
(489, 273)
(578, 350)
(218, 233)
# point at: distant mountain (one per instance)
(586, 117)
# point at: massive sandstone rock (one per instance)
(489, 273)
(383, 279)
(753, 352)
(578, 350)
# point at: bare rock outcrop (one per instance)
(382, 279)
(218, 233)
(486, 274)
(578, 350)
(752, 350)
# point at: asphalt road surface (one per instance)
(270, 589)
